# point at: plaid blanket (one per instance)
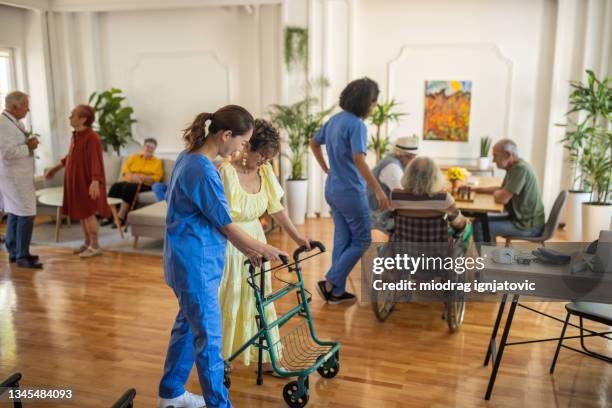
(414, 229)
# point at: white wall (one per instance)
(12, 23)
(24, 32)
(173, 64)
(503, 46)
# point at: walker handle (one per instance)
(313, 244)
(284, 259)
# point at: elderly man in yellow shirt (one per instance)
(139, 173)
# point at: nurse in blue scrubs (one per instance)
(198, 224)
(345, 137)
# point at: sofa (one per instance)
(112, 171)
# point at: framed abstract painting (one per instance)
(447, 110)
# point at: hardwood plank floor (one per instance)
(100, 326)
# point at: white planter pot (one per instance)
(594, 219)
(572, 215)
(296, 200)
(484, 163)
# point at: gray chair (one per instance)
(551, 224)
(596, 312)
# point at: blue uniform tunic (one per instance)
(343, 135)
(194, 251)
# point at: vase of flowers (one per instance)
(456, 175)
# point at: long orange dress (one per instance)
(84, 164)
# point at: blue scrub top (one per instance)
(194, 249)
(343, 135)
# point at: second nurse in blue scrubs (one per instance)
(345, 137)
(198, 224)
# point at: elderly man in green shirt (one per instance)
(519, 193)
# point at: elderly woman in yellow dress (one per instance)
(252, 189)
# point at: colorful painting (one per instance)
(447, 110)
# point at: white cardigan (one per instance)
(16, 169)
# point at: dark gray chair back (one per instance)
(555, 214)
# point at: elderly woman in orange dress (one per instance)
(84, 180)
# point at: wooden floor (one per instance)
(101, 326)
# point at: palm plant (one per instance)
(382, 114)
(300, 121)
(589, 142)
(114, 119)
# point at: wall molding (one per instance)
(148, 55)
(130, 5)
(407, 49)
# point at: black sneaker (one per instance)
(322, 289)
(29, 263)
(343, 298)
(13, 259)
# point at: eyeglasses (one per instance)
(150, 146)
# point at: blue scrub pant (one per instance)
(352, 235)
(196, 337)
(19, 235)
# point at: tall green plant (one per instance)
(382, 113)
(114, 118)
(296, 47)
(485, 146)
(589, 141)
(300, 121)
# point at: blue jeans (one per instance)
(352, 236)
(159, 189)
(500, 226)
(196, 338)
(19, 235)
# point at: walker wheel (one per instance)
(289, 390)
(329, 370)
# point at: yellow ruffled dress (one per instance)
(235, 295)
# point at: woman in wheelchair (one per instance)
(424, 210)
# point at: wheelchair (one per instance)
(418, 232)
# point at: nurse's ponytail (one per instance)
(231, 117)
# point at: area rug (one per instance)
(71, 236)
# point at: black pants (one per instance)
(126, 191)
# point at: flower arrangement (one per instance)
(456, 173)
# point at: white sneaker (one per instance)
(187, 400)
(91, 251)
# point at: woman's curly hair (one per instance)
(265, 137)
(358, 96)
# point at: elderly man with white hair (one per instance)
(17, 180)
(388, 172)
(519, 193)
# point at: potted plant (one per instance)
(484, 160)
(580, 191)
(300, 121)
(382, 114)
(114, 118)
(591, 140)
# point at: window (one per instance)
(6, 75)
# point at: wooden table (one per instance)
(483, 204)
(54, 197)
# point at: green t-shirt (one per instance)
(526, 208)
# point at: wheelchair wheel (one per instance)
(383, 303)
(455, 311)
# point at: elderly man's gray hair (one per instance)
(509, 146)
(15, 99)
